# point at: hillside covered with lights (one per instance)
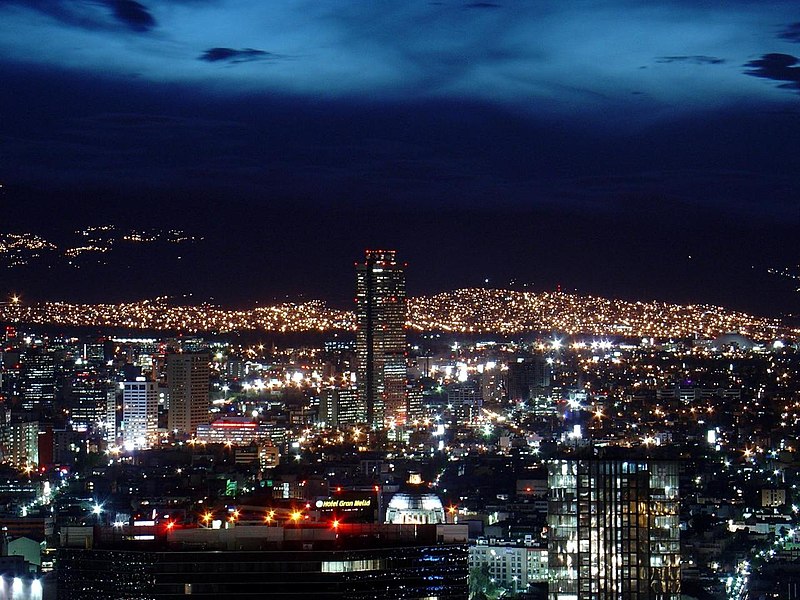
(474, 310)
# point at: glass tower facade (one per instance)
(613, 529)
(381, 338)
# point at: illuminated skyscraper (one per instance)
(91, 399)
(381, 337)
(188, 376)
(38, 380)
(614, 529)
(20, 444)
(339, 407)
(139, 413)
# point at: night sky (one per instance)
(635, 149)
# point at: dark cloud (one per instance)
(791, 33)
(232, 55)
(93, 15)
(698, 59)
(67, 13)
(778, 67)
(133, 14)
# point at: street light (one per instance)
(206, 518)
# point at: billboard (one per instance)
(356, 506)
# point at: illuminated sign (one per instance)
(344, 504)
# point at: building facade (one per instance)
(512, 565)
(528, 379)
(613, 529)
(355, 562)
(464, 401)
(381, 338)
(19, 444)
(235, 431)
(89, 396)
(38, 380)
(188, 376)
(340, 407)
(139, 414)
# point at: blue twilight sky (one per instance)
(510, 139)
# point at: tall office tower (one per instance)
(528, 378)
(19, 443)
(464, 401)
(97, 354)
(339, 407)
(188, 376)
(492, 384)
(614, 529)
(88, 395)
(415, 408)
(38, 380)
(111, 417)
(139, 414)
(381, 338)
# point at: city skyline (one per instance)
(452, 299)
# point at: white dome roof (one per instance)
(405, 501)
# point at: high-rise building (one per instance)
(414, 399)
(88, 396)
(139, 413)
(614, 529)
(19, 444)
(339, 407)
(10, 373)
(492, 384)
(528, 378)
(381, 337)
(464, 401)
(38, 380)
(188, 375)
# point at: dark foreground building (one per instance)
(250, 562)
(614, 529)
